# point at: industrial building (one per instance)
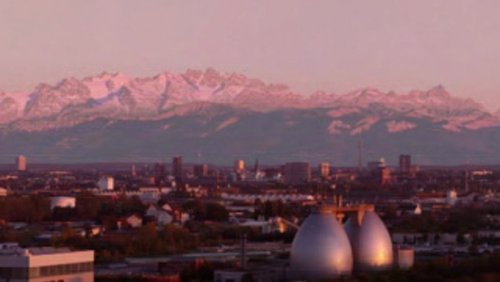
(324, 249)
(45, 264)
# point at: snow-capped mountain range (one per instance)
(118, 96)
(221, 101)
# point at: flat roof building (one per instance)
(177, 167)
(239, 166)
(45, 264)
(405, 163)
(324, 170)
(21, 163)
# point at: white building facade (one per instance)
(106, 183)
(45, 264)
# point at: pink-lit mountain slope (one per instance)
(221, 115)
(121, 97)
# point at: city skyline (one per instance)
(232, 141)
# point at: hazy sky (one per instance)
(310, 45)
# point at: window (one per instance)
(35, 272)
(44, 271)
(19, 273)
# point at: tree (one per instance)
(207, 211)
(64, 214)
(88, 205)
(216, 212)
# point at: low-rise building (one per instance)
(131, 221)
(161, 216)
(3, 192)
(45, 264)
(62, 202)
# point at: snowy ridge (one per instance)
(116, 96)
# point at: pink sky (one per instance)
(310, 45)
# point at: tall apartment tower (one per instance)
(404, 163)
(133, 171)
(239, 166)
(324, 169)
(384, 176)
(159, 173)
(177, 168)
(21, 163)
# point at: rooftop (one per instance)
(9, 249)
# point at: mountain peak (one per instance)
(119, 96)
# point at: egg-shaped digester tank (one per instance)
(370, 241)
(321, 249)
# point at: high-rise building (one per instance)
(21, 163)
(160, 174)
(200, 170)
(106, 183)
(404, 163)
(133, 171)
(324, 169)
(239, 166)
(297, 172)
(380, 171)
(177, 169)
(384, 175)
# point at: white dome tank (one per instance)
(371, 243)
(321, 249)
